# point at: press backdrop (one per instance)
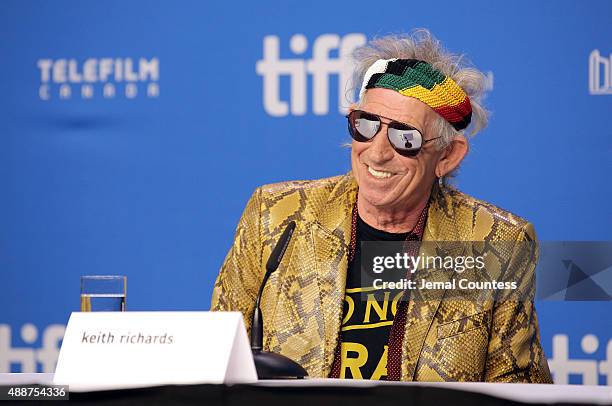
(132, 134)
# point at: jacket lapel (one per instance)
(438, 238)
(331, 234)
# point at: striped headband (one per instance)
(418, 79)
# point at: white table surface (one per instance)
(521, 392)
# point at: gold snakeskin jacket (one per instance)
(302, 303)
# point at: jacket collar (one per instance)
(335, 215)
(331, 233)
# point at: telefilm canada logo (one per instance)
(600, 73)
(106, 78)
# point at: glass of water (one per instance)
(103, 293)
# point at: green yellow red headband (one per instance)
(418, 79)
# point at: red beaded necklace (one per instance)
(396, 337)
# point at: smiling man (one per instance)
(409, 135)
(390, 178)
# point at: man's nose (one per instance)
(380, 148)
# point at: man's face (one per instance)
(386, 179)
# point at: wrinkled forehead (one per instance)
(393, 105)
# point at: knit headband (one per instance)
(418, 79)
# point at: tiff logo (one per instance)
(28, 358)
(321, 66)
(600, 73)
(561, 366)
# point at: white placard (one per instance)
(112, 350)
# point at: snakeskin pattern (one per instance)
(445, 340)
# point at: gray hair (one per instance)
(421, 44)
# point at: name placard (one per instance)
(114, 350)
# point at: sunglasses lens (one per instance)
(363, 126)
(407, 141)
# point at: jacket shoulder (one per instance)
(300, 199)
(321, 186)
(487, 220)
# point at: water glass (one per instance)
(103, 293)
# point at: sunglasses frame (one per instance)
(360, 138)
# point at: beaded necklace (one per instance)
(396, 337)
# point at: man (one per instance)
(408, 131)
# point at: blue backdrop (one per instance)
(132, 134)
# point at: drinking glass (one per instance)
(103, 293)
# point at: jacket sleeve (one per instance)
(238, 281)
(515, 353)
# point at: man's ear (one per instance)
(452, 156)
(352, 107)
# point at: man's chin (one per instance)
(378, 199)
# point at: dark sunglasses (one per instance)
(405, 139)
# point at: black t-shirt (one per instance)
(367, 315)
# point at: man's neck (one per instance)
(392, 219)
